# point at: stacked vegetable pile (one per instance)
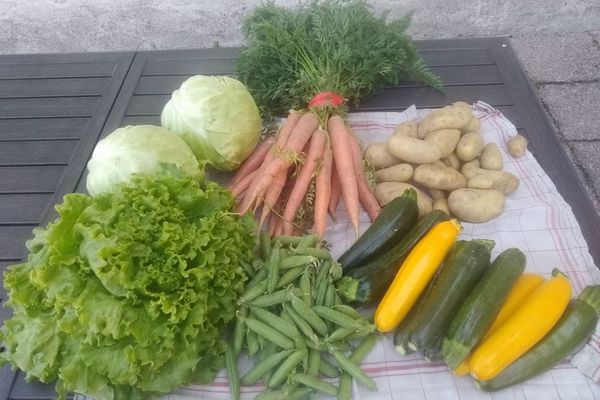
(445, 156)
(292, 319)
(316, 59)
(127, 293)
(446, 299)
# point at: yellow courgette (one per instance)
(414, 275)
(523, 329)
(526, 284)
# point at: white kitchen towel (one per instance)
(536, 219)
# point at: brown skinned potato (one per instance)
(517, 146)
(478, 178)
(491, 158)
(387, 191)
(439, 177)
(379, 157)
(395, 173)
(449, 117)
(476, 205)
(469, 146)
(413, 150)
(445, 139)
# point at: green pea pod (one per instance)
(232, 371)
(355, 371)
(273, 268)
(264, 366)
(285, 369)
(308, 314)
(316, 384)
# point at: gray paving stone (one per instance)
(587, 159)
(574, 108)
(559, 57)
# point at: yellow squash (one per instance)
(414, 274)
(533, 319)
(526, 284)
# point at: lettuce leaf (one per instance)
(126, 294)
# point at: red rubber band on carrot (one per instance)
(325, 99)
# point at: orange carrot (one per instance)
(336, 192)
(340, 145)
(365, 195)
(272, 195)
(238, 188)
(298, 138)
(282, 138)
(313, 156)
(253, 161)
(322, 194)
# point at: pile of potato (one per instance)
(444, 158)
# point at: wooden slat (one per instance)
(23, 390)
(445, 57)
(495, 95)
(23, 208)
(30, 179)
(37, 152)
(450, 75)
(35, 70)
(49, 107)
(190, 67)
(43, 128)
(141, 120)
(12, 241)
(147, 105)
(16, 88)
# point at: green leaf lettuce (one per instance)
(127, 293)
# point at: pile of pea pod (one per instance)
(294, 323)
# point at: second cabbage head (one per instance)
(217, 117)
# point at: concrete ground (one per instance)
(558, 42)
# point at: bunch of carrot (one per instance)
(273, 181)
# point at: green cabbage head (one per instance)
(217, 117)
(138, 149)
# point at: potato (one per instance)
(475, 205)
(437, 194)
(474, 125)
(491, 158)
(407, 129)
(378, 155)
(441, 204)
(469, 146)
(436, 177)
(517, 146)
(478, 178)
(452, 161)
(449, 117)
(388, 191)
(446, 139)
(413, 150)
(395, 173)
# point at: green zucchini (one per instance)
(478, 311)
(372, 279)
(391, 225)
(572, 330)
(402, 333)
(463, 268)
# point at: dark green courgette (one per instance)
(478, 311)
(394, 221)
(572, 330)
(402, 333)
(464, 267)
(373, 278)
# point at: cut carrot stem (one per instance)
(253, 162)
(340, 145)
(322, 193)
(314, 155)
(336, 192)
(365, 195)
(242, 184)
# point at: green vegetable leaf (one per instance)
(126, 294)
